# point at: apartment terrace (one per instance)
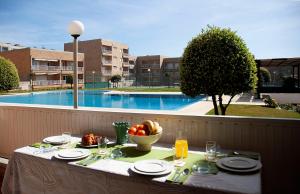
(275, 139)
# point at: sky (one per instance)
(270, 28)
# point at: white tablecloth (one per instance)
(30, 173)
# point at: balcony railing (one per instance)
(106, 72)
(126, 64)
(45, 68)
(106, 62)
(105, 51)
(70, 68)
(53, 68)
(125, 73)
(125, 55)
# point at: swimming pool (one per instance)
(104, 99)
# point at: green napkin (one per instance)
(38, 144)
(192, 159)
(89, 160)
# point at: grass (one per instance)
(258, 111)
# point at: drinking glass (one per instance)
(178, 159)
(102, 145)
(67, 136)
(181, 145)
(211, 149)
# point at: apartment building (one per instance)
(44, 68)
(148, 70)
(170, 71)
(156, 70)
(9, 46)
(103, 58)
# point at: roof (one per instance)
(279, 62)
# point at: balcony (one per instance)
(106, 62)
(45, 68)
(70, 68)
(125, 73)
(54, 68)
(106, 72)
(125, 55)
(125, 64)
(106, 52)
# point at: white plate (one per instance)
(57, 140)
(72, 154)
(256, 168)
(150, 166)
(168, 170)
(239, 162)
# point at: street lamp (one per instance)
(149, 70)
(93, 79)
(75, 29)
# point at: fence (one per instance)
(91, 85)
(276, 139)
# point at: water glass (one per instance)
(67, 136)
(102, 145)
(211, 150)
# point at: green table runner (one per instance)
(130, 154)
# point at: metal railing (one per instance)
(45, 68)
(54, 68)
(105, 51)
(106, 62)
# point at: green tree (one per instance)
(115, 79)
(9, 77)
(69, 80)
(265, 75)
(217, 62)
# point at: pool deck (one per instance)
(197, 108)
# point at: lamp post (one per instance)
(149, 70)
(75, 29)
(93, 79)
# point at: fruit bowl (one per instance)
(144, 143)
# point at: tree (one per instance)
(265, 75)
(217, 62)
(9, 77)
(115, 79)
(69, 80)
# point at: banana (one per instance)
(149, 125)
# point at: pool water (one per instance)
(96, 98)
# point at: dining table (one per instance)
(32, 170)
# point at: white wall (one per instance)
(284, 98)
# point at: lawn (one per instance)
(257, 111)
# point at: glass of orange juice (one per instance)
(181, 147)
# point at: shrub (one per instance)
(69, 80)
(9, 78)
(265, 75)
(269, 102)
(217, 62)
